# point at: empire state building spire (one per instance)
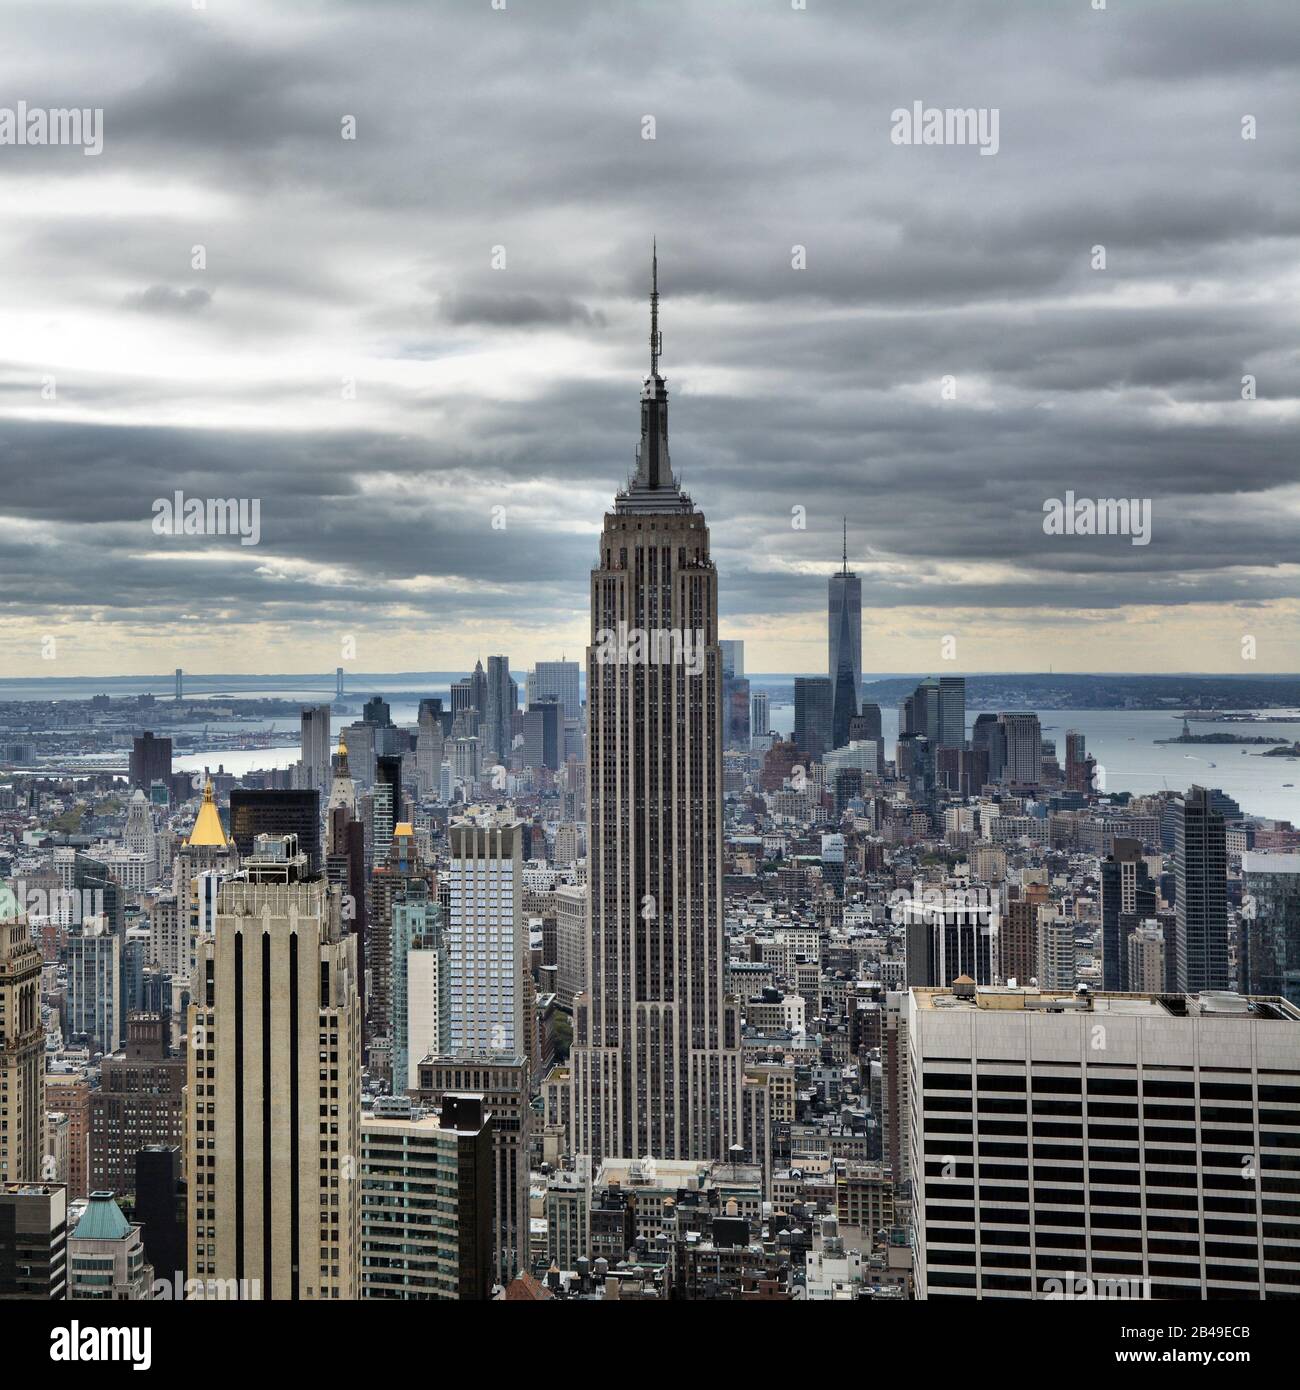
(653, 487)
(657, 1067)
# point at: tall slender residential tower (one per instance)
(844, 632)
(487, 937)
(656, 1064)
(316, 750)
(500, 702)
(1201, 876)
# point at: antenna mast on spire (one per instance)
(845, 561)
(656, 338)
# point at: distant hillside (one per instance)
(1069, 691)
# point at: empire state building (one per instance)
(656, 1061)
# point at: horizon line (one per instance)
(170, 676)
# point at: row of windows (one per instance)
(1266, 1091)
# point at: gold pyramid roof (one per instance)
(207, 824)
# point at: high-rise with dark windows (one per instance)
(543, 725)
(501, 700)
(814, 714)
(1201, 873)
(276, 813)
(151, 760)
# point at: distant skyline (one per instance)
(362, 684)
(349, 357)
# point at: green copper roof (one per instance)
(103, 1220)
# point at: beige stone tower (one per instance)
(22, 1052)
(274, 1088)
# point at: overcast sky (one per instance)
(371, 260)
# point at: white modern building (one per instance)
(486, 938)
(1103, 1145)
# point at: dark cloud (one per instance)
(167, 299)
(518, 311)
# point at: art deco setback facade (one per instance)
(1148, 1143)
(273, 1120)
(22, 1055)
(656, 1062)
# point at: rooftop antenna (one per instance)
(656, 338)
(845, 561)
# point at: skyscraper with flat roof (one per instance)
(486, 938)
(543, 734)
(429, 747)
(735, 696)
(413, 1163)
(814, 713)
(951, 732)
(151, 760)
(95, 985)
(420, 999)
(989, 735)
(276, 813)
(760, 717)
(733, 657)
(1100, 1152)
(33, 1240)
(316, 750)
(1201, 875)
(560, 681)
(1076, 753)
(505, 1084)
(1270, 958)
(1146, 959)
(1023, 737)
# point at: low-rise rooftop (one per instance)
(1209, 1003)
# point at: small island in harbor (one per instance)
(1188, 737)
(1223, 738)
